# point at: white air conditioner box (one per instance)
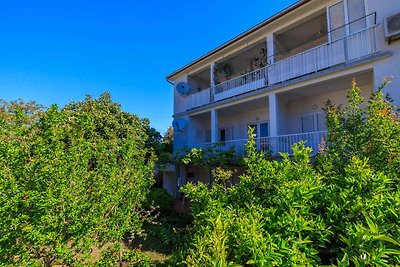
(392, 26)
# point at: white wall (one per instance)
(391, 65)
(180, 102)
(291, 123)
(237, 125)
(199, 129)
(181, 138)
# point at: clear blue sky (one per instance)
(54, 51)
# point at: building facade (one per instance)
(276, 76)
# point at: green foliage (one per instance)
(366, 129)
(361, 169)
(212, 156)
(343, 211)
(268, 219)
(161, 146)
(167, 233)
(160, 199)
(70, 178)
(115, 255)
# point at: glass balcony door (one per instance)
(346, 17)
(313, 122)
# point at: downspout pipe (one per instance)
(168, 81)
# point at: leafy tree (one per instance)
(361, 167)
(70, 179)
(342, 211)
(364, 129)
(154, 137)
(168, 139)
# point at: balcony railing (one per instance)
(351, 47)
(276, 145)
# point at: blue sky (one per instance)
(55, 51)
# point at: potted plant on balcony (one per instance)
(227, 69)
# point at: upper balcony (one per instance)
(306, 48)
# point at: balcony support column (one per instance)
(212, 74)
(214, 126)
(273, 115)
(212, 81)
(270, 49)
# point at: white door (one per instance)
(260, 129)
(313, 122)
(346, 17)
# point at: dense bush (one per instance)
(160, 199)
(344, 211)
(70, 179)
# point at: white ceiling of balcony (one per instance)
(203, 76)
(339, 84)
(244, 107)
(301, 34)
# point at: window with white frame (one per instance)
(346, 17)
(260, 129)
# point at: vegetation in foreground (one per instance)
(71, 180)
(75, 182)
(341, 211)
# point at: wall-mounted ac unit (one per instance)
(392, 27)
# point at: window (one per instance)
(337, 21)
(356, 12)
(345, 17)
(222, 136)
(260, 129)
(264, 129)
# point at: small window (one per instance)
(264, 129)
(222, 135)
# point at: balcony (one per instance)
(277, 145)
(343, 50)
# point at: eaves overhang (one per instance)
(239, 37)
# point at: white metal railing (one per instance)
(347, 48)
(199, 99)
(240, 85)
(277, 145)
(284, 143)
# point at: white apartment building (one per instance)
(277, 75)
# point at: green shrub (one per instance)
(343, 211)
(115, 255)
(161, 200)
(70, 178)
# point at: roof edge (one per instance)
(241, 36)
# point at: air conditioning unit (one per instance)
(392, 27)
